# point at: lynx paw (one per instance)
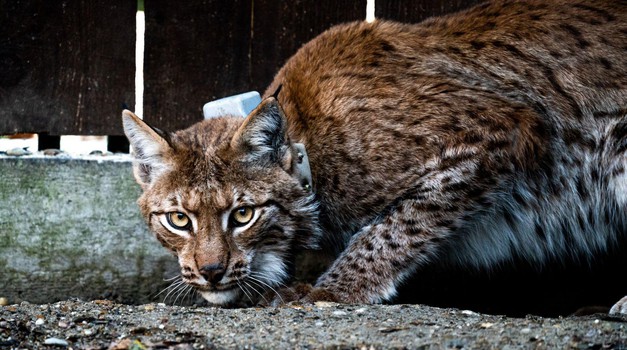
(620, 307)
(285, 295)
(320, 294)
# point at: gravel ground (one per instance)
(103, 324)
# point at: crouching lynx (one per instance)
(493, 133)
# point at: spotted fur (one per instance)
(470, 139)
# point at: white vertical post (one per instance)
(140, 21)
(370, 17)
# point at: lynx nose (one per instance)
(213, 273)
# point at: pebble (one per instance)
(325, 304)
(469, 313)
(4, 301)
(339, 313)
(52, 152)
(17, 152)
(39, 322)
(56, 341)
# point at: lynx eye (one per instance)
(179, 220)
(242, 215)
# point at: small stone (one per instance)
(56, 341)
(63, 324)
(88, 332)
(525, 330)
(39, 322)
(17, 152)
(391, 329)
(52, 152)
(339, 313)
(325, 304)
(123, 344)
(149, 307)
(468, 313)
(4, 301)
(487, 325)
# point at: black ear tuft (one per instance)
(276, 93)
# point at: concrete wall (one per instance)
(71, 228)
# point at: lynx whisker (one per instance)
(256, 291)
(243, 288)
(190, 294)
(182, 290)
(269, 278)
(176, 288)
(174, 284)
(172, 278)
(267, 285)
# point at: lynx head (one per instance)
(226, 197)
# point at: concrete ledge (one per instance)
(69, 227)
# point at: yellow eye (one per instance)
(241, 216)
(179, 220)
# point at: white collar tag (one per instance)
(237, 105)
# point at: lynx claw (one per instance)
(620, 308)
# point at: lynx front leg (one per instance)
(620, 308)
(382, 254)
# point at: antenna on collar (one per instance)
(276, 92)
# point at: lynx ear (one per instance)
(150, 146)
(263, 135)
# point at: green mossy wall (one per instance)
(71, 228)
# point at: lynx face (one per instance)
(225, 197)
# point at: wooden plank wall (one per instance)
(414, 11)
(68, 67)
(199, 51)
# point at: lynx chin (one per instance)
(469, 139)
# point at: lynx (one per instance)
(469, 139)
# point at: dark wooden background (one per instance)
(68, 67)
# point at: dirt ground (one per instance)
(103, 324)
